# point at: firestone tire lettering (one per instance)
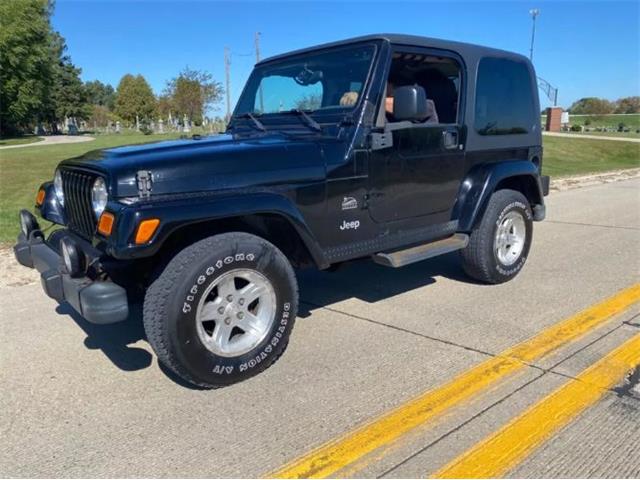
(172, 332)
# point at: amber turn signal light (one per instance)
(105, 225)
(146, 229)
(40, 197)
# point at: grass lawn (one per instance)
(6, 142)
(569, 156)
(632, 134)
(22, 170)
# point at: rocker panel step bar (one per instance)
(422, 252)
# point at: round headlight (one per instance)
(57, 187)
(99, 196)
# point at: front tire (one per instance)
(222, 310)
(499, 246)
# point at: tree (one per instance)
(99, 93)
(628, 105)
(165, 106)
(134, 97)
(38, 81)
(67, 96)
(591, 106)
(101, 116)
(25, 62)
(192, 93)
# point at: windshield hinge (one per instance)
(381, 140)
(144, 179)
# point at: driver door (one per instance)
(416, 172)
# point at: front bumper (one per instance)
(98, 301)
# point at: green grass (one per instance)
(6, 142)
(22, 170)
(569, 156)
(631, 134)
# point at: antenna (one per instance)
(257, 41)
(227, 72)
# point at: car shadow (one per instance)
(115, 339)
(361, 279)
(371, 282)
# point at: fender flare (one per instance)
(175, 214)
(480, 183)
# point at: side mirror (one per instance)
(409, 103)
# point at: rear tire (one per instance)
(499, 245)
(222, 310)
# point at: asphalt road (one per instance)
(79, 400)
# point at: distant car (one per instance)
(391, 147)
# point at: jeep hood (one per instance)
(209, 164)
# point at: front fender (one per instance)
(175, 214)
(481, 182)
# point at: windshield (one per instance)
(324, 81)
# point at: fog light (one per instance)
(72, 257)
(28, 223)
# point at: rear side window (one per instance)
(504, 100)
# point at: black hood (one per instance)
(212, 163)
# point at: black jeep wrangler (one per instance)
(393, 147)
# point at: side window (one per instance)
(504, 101)
(279, 93)
(439, 76)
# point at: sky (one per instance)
(586, 48)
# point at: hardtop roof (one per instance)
(463, 49)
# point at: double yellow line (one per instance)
(500, 452)
(337, 454)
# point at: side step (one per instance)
(422, 252)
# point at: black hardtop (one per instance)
(471, 56)
(465, 50)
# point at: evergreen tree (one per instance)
(134, 97)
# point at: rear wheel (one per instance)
(499, 245)
(222, 310)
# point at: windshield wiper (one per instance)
(310, 122)
(258, 124)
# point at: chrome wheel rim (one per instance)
(236, 312)
(510, 237)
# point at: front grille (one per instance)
(77, 202)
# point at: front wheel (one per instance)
(499, 245)
(222, 310)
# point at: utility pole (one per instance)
(227, 73)
(534, 12)
(257, 42)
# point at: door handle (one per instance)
(450, 139)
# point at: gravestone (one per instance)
(160, 126)
(185, 124)
(118, 127)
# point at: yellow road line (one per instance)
(499, 453)
(341, 452)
